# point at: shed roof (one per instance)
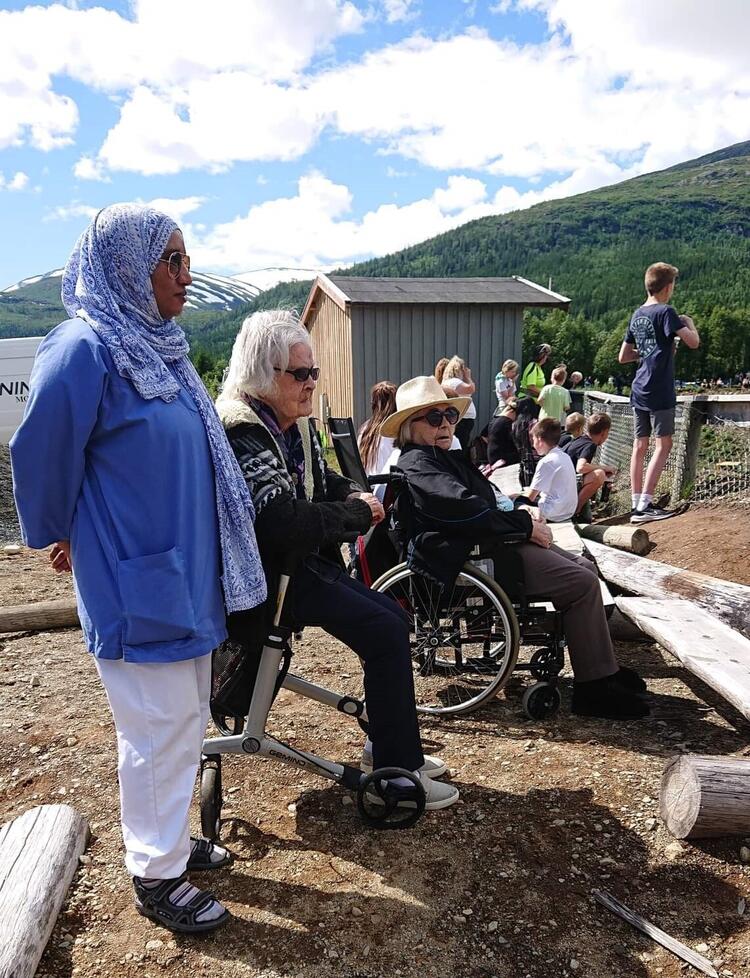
(354, 290)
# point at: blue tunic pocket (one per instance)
(155, 597)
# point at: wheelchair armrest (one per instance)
(392, 478)
(510, 538)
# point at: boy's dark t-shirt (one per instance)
(581, 447)
(652, 331)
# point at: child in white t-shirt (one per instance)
(553, 487)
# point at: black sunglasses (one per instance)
(301, 374)
(434, 416)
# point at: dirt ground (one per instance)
(712, 540)
(499, 885)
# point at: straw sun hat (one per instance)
(417, 396)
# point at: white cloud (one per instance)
(266, 39)
(67, 212)
(398, 10)
(239, 82)
(87, 168)
(314, 229)
(175, 207)
(19, 181)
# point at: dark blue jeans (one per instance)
(374, 627)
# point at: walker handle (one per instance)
(280, 598)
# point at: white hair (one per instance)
(262, 344)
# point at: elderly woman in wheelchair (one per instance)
(304, 511)
(449, 514)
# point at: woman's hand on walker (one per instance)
(541, 535)
(376, 507)
(59, 556)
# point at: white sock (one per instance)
(644, 501)
(636, 497)
(217, 853)
(183, 894)
(368, 746)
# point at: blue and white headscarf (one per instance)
(107, 282)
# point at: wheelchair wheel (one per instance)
(211, 797)
(541, 700)
(546, 664)
(464, 640)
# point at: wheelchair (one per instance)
(466, 640)
(242, 730)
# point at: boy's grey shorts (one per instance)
(662, 423)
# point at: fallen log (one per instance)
(634, 539)
(703, 797)
(40, 616)
(726, 600)
(564, 536)
(38, 857)
(706, 646)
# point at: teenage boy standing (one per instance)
(651, 339)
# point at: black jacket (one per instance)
(500, 444)
(452, 508)
(288, 529)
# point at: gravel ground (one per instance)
(9, 531)
(499, 885)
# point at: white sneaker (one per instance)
(438, 794)
(433, 767)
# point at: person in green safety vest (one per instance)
(532, 378)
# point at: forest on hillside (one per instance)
(594, 248)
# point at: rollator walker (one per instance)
(381, 805)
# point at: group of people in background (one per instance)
(559, 474)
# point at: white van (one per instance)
(16, 361)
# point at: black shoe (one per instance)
(630, 680)
(608, 699)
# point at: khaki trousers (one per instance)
(571, 583)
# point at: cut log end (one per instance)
(704, 797)
(680, 797)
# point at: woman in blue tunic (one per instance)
(119, 464)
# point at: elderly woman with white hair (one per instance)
(454, 508)
(304, 511)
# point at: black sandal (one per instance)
(200, 856)
(153, 902)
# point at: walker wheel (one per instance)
(211, 797)
(227, 725)
(541, 700)
(387, 806)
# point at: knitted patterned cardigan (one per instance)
(286, 526)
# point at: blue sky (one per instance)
(314, 133)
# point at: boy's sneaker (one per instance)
(433, 767)
(652, 513)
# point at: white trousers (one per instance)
(160, 711)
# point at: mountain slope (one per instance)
(32, 307)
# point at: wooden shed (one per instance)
(368, 329)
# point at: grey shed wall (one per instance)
(402, 340)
